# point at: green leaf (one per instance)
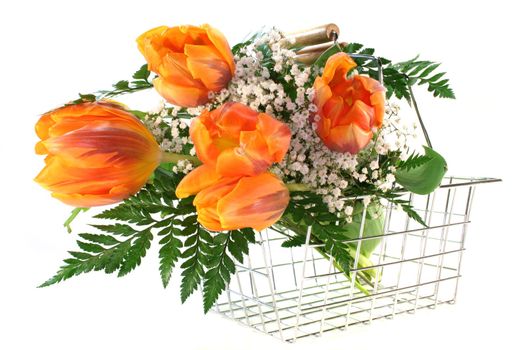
(137, 251)
(372, 227)
(169, 254)
(220, 268)
(294, 241)
(413, 161)
(194, 267)
(321, 60)
(135, 230)
(423, 178)
(413, 214)
(143, 73)
(102, 239)
(122, 85)
(117, 229)
(238, 245)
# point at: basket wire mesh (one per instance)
(293, 293)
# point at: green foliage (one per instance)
(140, 82)
(413, 161)
(422, 174)
(196, 252)
(321, 60)
(398, 77)
(423, 73)
(122, 247)
(294, 241)
(220, 265)
(82, 99)
(207, 258)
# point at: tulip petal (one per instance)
(206, 64)
(149, 44)
(322, 92)
(198, 179)
(221, 44)
(337, 67)
(232, 118)
(348, 138)
(277, 136)
(206, 150)
(333, 108)
(256, 202)
(235, 162)
(180, 95)
(88, 200)
(206, 203)
(174, 68)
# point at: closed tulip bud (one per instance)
(97, 153)
(190, 61)
(349, 107)
(235, 203)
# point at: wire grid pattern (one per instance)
(293, 293)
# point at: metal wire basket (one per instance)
(293, 293)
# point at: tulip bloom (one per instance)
(238, 140)
(98, 153)
(350, 108)
(237, 202)
(233, 188)
(190, 61)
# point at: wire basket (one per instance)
(293, 293)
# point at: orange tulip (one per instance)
(190, 61)
(98, 153)
(239, 141)
(234, 203)
(350, 108)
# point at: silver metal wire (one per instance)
(293, 293)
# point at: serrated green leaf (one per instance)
(102, 239)
(90, 247)
(137, 251)
(118, 229)
(143, 73)
(295, 241)
(169, 254)
(122, 85)
(193, 267)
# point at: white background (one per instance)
(51, 50)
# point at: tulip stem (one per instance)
(292, 187)
(168, 157)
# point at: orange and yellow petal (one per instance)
(348, 138)
(337, 67)
(257, 202)
(206, 203)
(235, 162)
(276, 134)
(221, 44)
(205, 148)
(232, 117)
(174, 68)
(180, 95)
(206, 64)
(198, 179)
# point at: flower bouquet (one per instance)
(294, 132)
